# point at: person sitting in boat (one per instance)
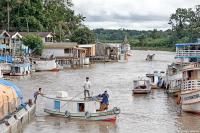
(39, 92)
(105, 101)
(86, 86)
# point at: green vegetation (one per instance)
(58, 17)
(141, 39)
(185, 25)
(34, 43)
(83, 36)
(41, 15)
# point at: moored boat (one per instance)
(20, 69)
(6, 68)
(85, 109)
(46, 65)
(156, 79)
(190, 93)
(173, 79)
(141, 87)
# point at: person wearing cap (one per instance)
(86, 86)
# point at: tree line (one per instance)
(185, 28)
(45, 15)
(58, 17)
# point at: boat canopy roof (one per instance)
(180, 45)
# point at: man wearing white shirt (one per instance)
(86, 86)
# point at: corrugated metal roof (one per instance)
(60, 45)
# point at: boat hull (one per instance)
(19, 74)
(46, 65)
(153, 86)
(141, 91)
(191, 101)
(99, 116)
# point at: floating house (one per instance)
(107, 52)
(90, 49)
(65, 53)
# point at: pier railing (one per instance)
(191, 85)
(187, 53)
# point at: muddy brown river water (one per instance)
(153, 113)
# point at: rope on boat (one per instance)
(66, 101)
(71, 99)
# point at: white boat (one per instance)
(62, 105)
(141, 86)
(190, 90)
(156, 79)
(20, 69)
(46, 65)
(6, 68)
(173, 79)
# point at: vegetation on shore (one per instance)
(34, 43)
(56, 16)
(185, 25)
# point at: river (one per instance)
(151, 113)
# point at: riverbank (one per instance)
(155, 48)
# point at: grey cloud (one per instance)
(127, 18)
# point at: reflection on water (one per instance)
(151, 113)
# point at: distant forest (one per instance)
(151, 38)
(185, 25)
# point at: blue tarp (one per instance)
(179, 45)
(6, 58)
(14, 87)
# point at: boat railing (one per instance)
(191, 66)
(187, 53)
(191, 85)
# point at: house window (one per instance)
(81, 107)
(48, 39)
(66, 51)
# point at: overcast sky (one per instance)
(130, 14)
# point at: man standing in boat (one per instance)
(86, 86)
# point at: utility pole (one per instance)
(8, 15)
(27, 25)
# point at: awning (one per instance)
(179, 45)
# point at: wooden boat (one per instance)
(6, 68)
(46, 65)
(156, 79)
(150, 57)
(141, 86)
(20, 69)
(173, 79)
(62, 105)
(190, 91)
